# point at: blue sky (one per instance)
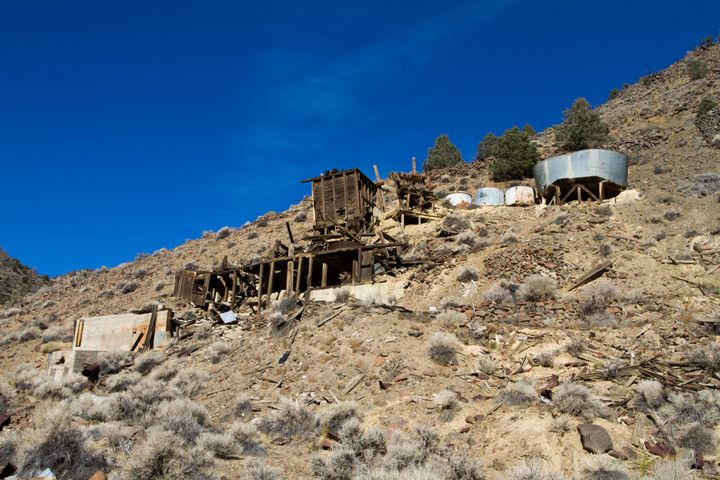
(130, 126)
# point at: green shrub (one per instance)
(697, 69)
(515, 155)
(706, 104)
(581, 128)
(443, 154)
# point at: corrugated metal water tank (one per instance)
(520, 195)
(594, 163)
(489, 196)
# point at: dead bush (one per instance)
(53, 347)
(455, 223)
(575, 347)
(280, 324)
(451, 318)
(485, 365)
(252, 235)
(443, 348)
(518, 393)
(300, 217)
(339, 465)
(122, 381)
(707, 358)
(578, 400)
(224, 232)
(165, 372)
(257, 471)
(537, 288)
(247, 438)
(596, 299)
(498, 293)
(670, 470)
(509, 237)
(604, 467)
(285, 304)
(671, 215)
(163, 455)
(190, 381)
(56, 443)
(605, 249)
(159, 286)
(113, 362)
(127, 287)
(222, 445)
(533, 469)
(467, 273)
(41, 323)
(333, 417)
(202, 331)
(546, 358)
(243, 405)
(290, 420)
(467, 238)
(610, 369)
(147, 361)
(181, 416)
(29, 333)
(604, 210)
(691, 419)
(342, 295)
(218, 350)
(447, 403)
(649, 395)
(8, 447)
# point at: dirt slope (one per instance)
(17, 280)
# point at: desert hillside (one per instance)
(17, 280)
(481, 352)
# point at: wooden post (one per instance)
(234, 289)
(600, 190)
(290, 277)
(377, 174)
(271, 276)
(579, 190)
(287, 224)
(260, 285)
(323, 281)
(414, 165)
(402, 221)
(299, 274)
(310, 272)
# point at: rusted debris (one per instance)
(660, 448)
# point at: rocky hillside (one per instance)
(17, 280)
(484, 362)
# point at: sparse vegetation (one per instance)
(217, 351)
(443, 348)
(498, 293)
(447, 403)
(604, 467)
(224, 232)
(578, 400)
(114, 361)
(443, 154)
(546, 358)
(514, 154)
(290, 419)
(485, 365)
(518, 393)
(697, 69)
(451, 318)
(707, 358)
(533, 469)
(300, 217)
(467, 273)
(537, 288)
(147, 361)
(455, 223)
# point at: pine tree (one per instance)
(486, 148)
(515, 155)
(581, 128)
(443, 154)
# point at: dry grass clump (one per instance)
(165, 372)
(546, 358)
(455, 223)
(243, 405)
(163, 455)
(50, 388)
(578, 400)
(147, 361)
(691, 419)
(113, 362)
(533, 469)
(518, 393)
(53, 347)
(159, 285)
(649, 395)
(342, 295)
(218, 350)
(190, 381)
(240, 439)
(468, 273)
(604, 467)
(498, 293)
(122, 381)
(605, 249)
(257, 471)
(707, 358)
(280, 324)
(58, 444)
(290, 420)
(333, 417)
(202, 331)
(443, 348)
(447, 403)
(8, 447)
(537, 288)
(127, 287)
(183, 417)
(670, 470)
(597, 298)
(486, 365)
(285, 304)
(509, 237)
(451, 318)
(467, 238)
(224, 232)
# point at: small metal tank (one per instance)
(520, 195)
(489, 196)
(459, 199)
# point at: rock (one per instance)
(415, 333)
(594, 438)
(98, 476)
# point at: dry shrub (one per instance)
(451, 318)
(58, 444)
(113, 362)
(604, 467)
(8, 447)
(455, 223)
(546, 358)
(610, 369)
(257, 471)
(183, 417)
(575, 347)
(163, 455)
(165, 372)
(596, 299)
(649, 395)
(122, 381)
(56, 334)
(518, 393)
(224, 232)
(486, 365)
(147, 361)
(50, 388)
(190, 381)
(533, 469)
(53, 347)
(217, 351)
(670, 470)
(451, 302)
(447, 403)
(159, 286)
(467, 238)
(707, 358)
(537, 288)
(29, 333)
(243, 405)
(285, 304)
(342, 295)
(578, 400)
(280, 324)
(508, 237)
(202, 331)
(290, 419)
(127, 287)
(333, 417)
(467, 273)
(443, 348)
(498, 293)
(691, 419)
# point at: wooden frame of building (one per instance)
(343, 200)
(414, 198)
(229, 287)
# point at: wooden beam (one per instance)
(290, 277)
(414, 165)
(271, 276)
(591, 275)
(377, 173)
(287, 224)
(260, 285)
(323, 281)
(310, 272)
(299, 274)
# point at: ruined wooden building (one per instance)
(415, 199)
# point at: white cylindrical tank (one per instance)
(459, 199)
(489, 196)
(520, 195)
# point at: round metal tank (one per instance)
(520, 195)
(593, 163)
(459, 199)
(489, 196)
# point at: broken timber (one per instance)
(594, 273)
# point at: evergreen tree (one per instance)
(443, 154)
(528, 130)
(581, 128)
(486, 148)
(515, 155)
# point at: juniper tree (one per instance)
(443, 154)
(581, 128)
(515, 155)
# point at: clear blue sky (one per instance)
(127, 126)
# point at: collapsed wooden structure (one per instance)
(416, 200)
(225, 286)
